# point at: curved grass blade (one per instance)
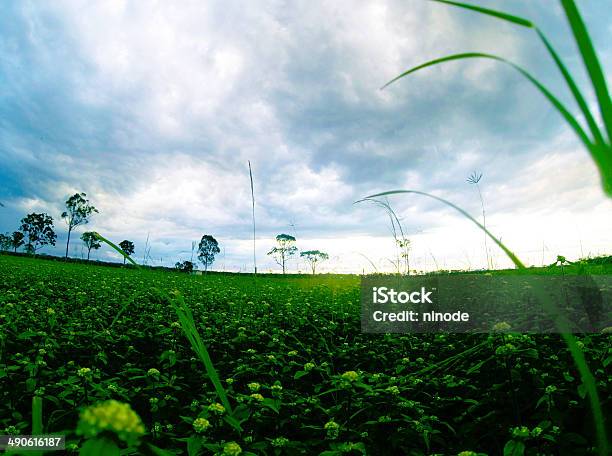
(560, 65)
(498, 14)
(563, 326)
(600, 154)
(591, 62)
(547, 93)
(191, 332)
(189, 328)
(506, 250)
(582, 104)
(117, 248)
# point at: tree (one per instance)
(91, 241)
(284, 250)
(207, 250)
(5, 241)
(127, 247)
(78, 213)
(38, 231)
(314, 257)
(16, 240)
(185, 266)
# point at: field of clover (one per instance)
(98, 354)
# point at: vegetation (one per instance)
(294, 373)
(184, 266)
(207, 249)
(78, 211)
(127, 248)
(38, 231)
(284, 250)
(90, 240)
(314, 257)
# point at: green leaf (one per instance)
(194, 446)
(299, 374)
(514, 448)
(37, 415)
(159, 452)
(272, 404)
(102, 446)
(589, 57)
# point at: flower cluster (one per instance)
(201, 424)
(84, 372)
(350, 376)
(332, 428)
(232, 449)
(501, 326)
(254, 386)
(153, 372)
(216, 408)
(111, 416)
(280, 442)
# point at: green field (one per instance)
(299, 375)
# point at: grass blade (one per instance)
(589, 57)
(37, 415)
(498, 14)
(117, 248)
(560, 65)
(599, 153)
(506, 250)
(563, 326)
(569, 80)
(191, 332)
(470, 55)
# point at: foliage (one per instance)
(314, 257)
(38, 231)
(127, 247)
(78, 211)
(207, 249)
(5, 241)
(297, 373)
(91, 241)
(184, 266)
(16, 240)
(284, 250)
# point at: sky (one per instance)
(154, 108)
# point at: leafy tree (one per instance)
(314, 257)
(185, 266)
(16, 240)
(207, 250)
(78, 212)
(91, 241)
(284, 250)
(127, 247)
(38, 231)
(5, 241)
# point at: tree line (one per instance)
(37, 230)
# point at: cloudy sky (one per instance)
(154, 108)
